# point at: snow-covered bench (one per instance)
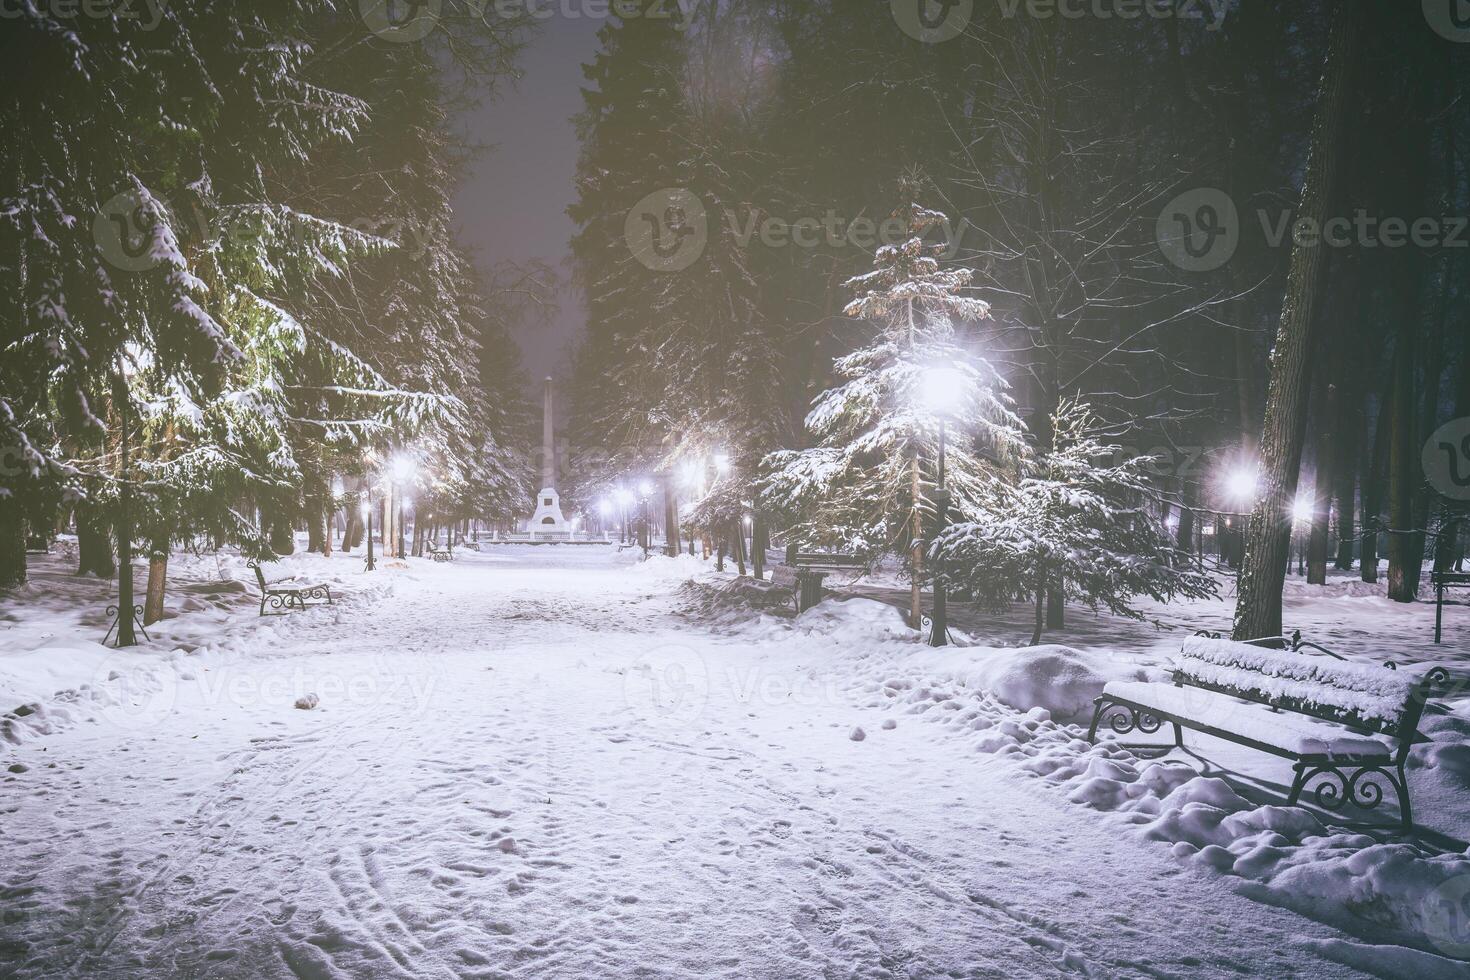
(1344, 726)
(437, 553)
(283, 597)
(804, 576)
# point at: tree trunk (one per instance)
(671, 518)
(1268, 539)
(1345, 461)
(1042, 581)
(1322, 490)
(1374, 475)
(157, 580)
(318, 526)
(916, 551)
(124, 523)
(1184, 534)
(282, 537)
(1403, 470)
(12, 543)
(758, 545)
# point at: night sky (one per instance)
(512, 204)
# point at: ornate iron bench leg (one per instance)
(1298, 780)
(1097, 713)
(1406, 811)
(1354, 784)
(1131, 719)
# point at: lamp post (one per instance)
(367, 516)
(402, 470)
(624, 498)
(645, 492)
(945, 389)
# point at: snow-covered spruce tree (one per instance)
(868, 485)
(632, 147)
(1080, 515)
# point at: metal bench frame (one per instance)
(1445, 580)
(810, 569)
(437, 553)
(1346, 777)
(286, 599)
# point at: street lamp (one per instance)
(945, 392)
(401, 471)
(645, 492)
(367, 516)
(624, 499)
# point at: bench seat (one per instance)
(1286, 734)
(1347, 728)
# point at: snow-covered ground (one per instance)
(554, 762)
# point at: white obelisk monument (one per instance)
(547, 523)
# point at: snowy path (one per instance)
(524, 766)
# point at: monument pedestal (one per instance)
(548, 523)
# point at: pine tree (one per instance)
(1080, 515)
(868, 485)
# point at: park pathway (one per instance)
(525, 765)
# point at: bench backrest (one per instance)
(783, 575)
(1361, 696)
(817, 559)
(259, 575)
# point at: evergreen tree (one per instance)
(1079, 515)
(868, 485)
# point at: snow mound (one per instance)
(731, 603)
(1060, 679)
(663, 568)
(855, 620)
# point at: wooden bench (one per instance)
(1347, 727)
(437, 553)
(280, 597)
(1443, 581)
